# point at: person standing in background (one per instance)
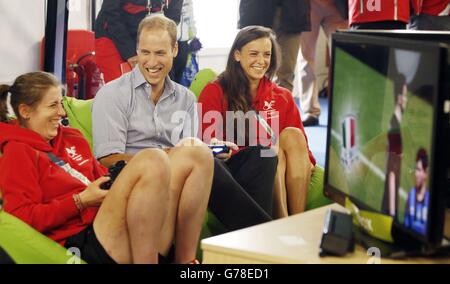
(378, 14)
(288, 18)
(395, 148)
(188, 43)
(116, 31)
(430, 15)
(325, 14)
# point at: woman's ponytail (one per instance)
(4, 90)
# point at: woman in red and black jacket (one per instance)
(116, 31)
(378, 14)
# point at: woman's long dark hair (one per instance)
(234, 82)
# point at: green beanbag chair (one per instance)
(79, 114)
(25, 245)
(202, 78)
(315, 197)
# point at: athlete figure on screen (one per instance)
(394, 148)
(416, 210)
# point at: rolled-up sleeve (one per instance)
(110, 121)
(190, 127)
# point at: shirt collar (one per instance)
(264, 85)
(139, 80)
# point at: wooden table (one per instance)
(294, 239)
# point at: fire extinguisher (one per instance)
(84, 78)
(71, 80)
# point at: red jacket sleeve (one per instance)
(211, 108)
(23, 196)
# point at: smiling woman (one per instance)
(50, 180)
(246, 86)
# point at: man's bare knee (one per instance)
(190, 141)
(195, 151)
(151, 162)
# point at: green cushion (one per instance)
(79, 113)
(26, 245)
(315, 197)
(202, 78)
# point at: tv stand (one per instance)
(387, 250)
(408, 247)
(294, 239)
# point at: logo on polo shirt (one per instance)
(269, 107)
(72, 153)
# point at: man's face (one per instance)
(155, 55)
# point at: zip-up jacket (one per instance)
(273, 103)
(368, 11)
(38, 191)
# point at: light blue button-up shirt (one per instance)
(126, 120)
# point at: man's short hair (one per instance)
(158, 21)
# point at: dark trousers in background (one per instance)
(179, 63)
(242, 190)
(428, 22)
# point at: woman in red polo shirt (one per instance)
(270, 110)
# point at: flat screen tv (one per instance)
(388, 131)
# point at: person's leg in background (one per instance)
(323, 14)
(179, 63)
(307, 89)
(290, 44)
(108, 59)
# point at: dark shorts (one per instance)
(91, 250)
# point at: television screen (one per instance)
(381, 129)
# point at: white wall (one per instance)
(216, 22)
(79, 14)
(22, 26)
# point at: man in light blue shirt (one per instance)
(145, 109)
(127, 120)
